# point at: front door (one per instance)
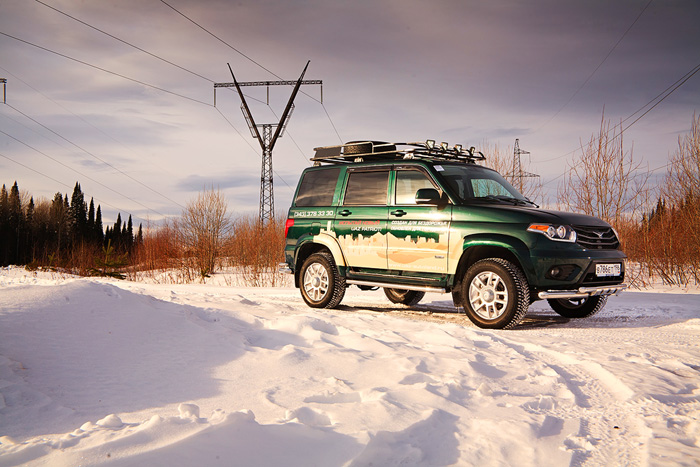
(418, 235)
(361, 219)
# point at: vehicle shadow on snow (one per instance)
(79, 351)
(618, 313)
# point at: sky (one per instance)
(119, 95)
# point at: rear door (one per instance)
(361, 218)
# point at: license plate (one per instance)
(607, 270)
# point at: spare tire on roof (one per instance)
(357, 147)
(368, 147)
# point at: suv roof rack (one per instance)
(367, 151)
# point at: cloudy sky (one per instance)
(118, 94)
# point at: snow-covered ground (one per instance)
(108, 372)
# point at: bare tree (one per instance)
(605, 181)
(682, 191)
(683, 179)
(203, 228)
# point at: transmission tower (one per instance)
(267, 139)
(518, 173)
(4, 90)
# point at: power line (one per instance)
(80, 173)
(67, 186)
(105, 70)
(163, 59)
(249, 144)
(660, 97)
(123, 41)
(216, 37)
(596, 68)
(680, 82)
(94, 156)
(248, 58)
(93, 126)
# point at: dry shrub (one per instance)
(667, 242)
(255, 249)
(161, 256)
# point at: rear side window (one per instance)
(367, 188)
(317, 188)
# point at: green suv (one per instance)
(419, 217)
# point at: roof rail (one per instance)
(367, 151)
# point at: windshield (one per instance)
(470, 182)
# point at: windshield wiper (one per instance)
(508, 199)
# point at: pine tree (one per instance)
(15, 226)
(139, 237)
(31, 237)
(78, 216)
(90, 227)
(58, 223)
(129, 235)
(99, 232)
(4, 226)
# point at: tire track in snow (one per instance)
(601, 404)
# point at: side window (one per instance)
(317, 188)
(408, 182)
(486, 187)
(366, 188)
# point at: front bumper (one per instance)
(283, 268)
(583, 292)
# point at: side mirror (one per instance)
(428, 196)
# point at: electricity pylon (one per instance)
(267, 139)
(518, 173)
(4, 90)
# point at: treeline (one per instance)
(667, 241)
(61, 232)
(659, 225)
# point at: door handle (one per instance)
(398, 213)
(345, 212)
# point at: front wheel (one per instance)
(322, 286)
(403, 297)
(578, 307)
(495, 294)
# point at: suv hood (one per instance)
(533, 214)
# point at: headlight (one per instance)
(561, 233)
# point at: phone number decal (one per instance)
(314, 213)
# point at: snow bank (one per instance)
(104, 372)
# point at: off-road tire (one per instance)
(354, 147)
(320, 283)
(495, 294)
(403, 297)
(578, 307)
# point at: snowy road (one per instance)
(101, 372)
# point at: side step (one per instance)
(418, 288)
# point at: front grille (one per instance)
(596, 238)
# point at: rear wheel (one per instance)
(495, 294)
(403, 297)
(321, 286)
(578, 307)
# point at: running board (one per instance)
(417, 288)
